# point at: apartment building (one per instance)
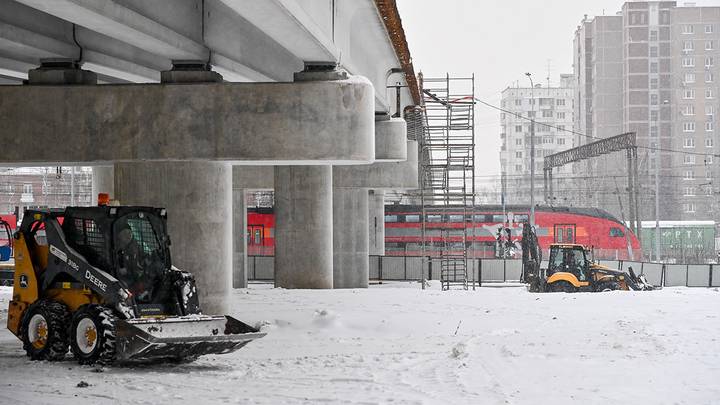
(552, 110)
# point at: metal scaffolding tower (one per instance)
(447, 171)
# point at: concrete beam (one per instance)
(379, 176)
(289, 24)
(117, 21)
(329, 122)
(391, 140)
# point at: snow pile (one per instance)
(397, 343)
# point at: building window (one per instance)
(688, 127)
(708, 93)
(518, 155)
(518, 128)
(653, 35)
(709, 144)
(688, 62)
(653, 132)
(709, 126)
(689, 191)
(653, 99)
(654, 84)
(709, 45)
(518, 101)
(709, 61)
(709, 110)
(560, 102)
(689, 77)
(709, 159)
(688, 29)
(561, 115)
(709, 29)
(689, 175)
(653, 52)
(689, 143)
(531, 114)
(518, 168)
(547, 114)
(518, 142)
(27, 189)
(689, 94)
(653, 67)
(689, 159)
(561, 141)
(709, 77)
(689, 208)
(653, 115)
(689, 109)
(688, 46)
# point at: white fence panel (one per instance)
(265, 268)
(698, 275)
(675, 275)
(652, 272)
(492, 270)
(513, 268)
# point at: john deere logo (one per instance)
(23, 281)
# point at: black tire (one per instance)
(609, 286)
(92, 335)
(562, 286)
(44, 330)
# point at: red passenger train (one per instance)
(403, 230)
(588, 226)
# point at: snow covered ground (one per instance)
(398, 344)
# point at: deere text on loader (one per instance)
(572, 269)
(100, 281)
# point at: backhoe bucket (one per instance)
(180, 338)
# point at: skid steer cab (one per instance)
(100, 281)
(571, 269)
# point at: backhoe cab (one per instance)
(570, 269)
(100, 280)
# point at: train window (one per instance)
(559, 238)
(569, 235)
(616, 233)
(249, 238)
(258, 237)
(412, 218)
(478, 218)
(434, 218)
(391, 218)
(456, 218)
(498, 218)
(522, 218)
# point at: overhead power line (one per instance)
(590, 136)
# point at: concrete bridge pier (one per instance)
(376, 222)
(303, 227)
(103, 181)
(198, 198)
(351, 263)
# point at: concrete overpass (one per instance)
(173, 94)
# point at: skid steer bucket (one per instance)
(180, 338)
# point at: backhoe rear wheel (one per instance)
(562, 286)
(44, 330)
(92, 335)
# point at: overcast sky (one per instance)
(498, 41)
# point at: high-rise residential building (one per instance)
(651, 69)
(552, 110)
(696, 63)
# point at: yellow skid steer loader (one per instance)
(100, 281)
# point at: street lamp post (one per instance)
(532, 150)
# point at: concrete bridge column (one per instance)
(303, 227)
(351, 263)
(239, 216)
(103, 181)
(376, 222)
(198, 198)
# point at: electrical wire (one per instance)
(590, 136)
